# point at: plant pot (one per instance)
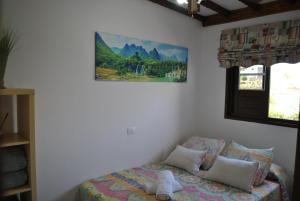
(2, 73)
(2, 84)
(7, 42)
(3, 64)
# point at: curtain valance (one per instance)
(265, 44)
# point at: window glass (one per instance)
(284, 91)
(251, 82)
(256, 69)
(251, 78)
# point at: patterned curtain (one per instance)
(265, 44)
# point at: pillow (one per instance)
(213, 147)
(187, 159)
(233, 172)
(264, 157)
(277, 173)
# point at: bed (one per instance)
(129, 185)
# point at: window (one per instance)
(284, 92)
(264, 95)
(252, 78)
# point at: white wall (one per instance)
(81, 123)
(211, 100)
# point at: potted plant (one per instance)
(7, 43)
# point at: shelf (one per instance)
(16, 91)
(14, 191)
(11, 139)
(20, 104)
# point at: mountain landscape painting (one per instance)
(123, 58)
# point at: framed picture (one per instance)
(122, 58)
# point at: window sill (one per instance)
(269, 121)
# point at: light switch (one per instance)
(131, 130)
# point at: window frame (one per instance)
(232, 93)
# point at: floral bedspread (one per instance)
(129, 184)
(278, 174)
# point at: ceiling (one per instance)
(228, 4)
(214, 12)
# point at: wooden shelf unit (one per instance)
(15, 91)
(14, 191)
(25, 135)
(12, 139)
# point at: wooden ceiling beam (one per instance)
(178, 8)
(215, 7)
(289, 1)
(247, 13)
(252, 4)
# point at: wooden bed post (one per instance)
(296, 189)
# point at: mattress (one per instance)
(129, 185)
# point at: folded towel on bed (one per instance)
(165, 188)
(150, 188)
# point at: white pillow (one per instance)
(233, 172)
(187, 159)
